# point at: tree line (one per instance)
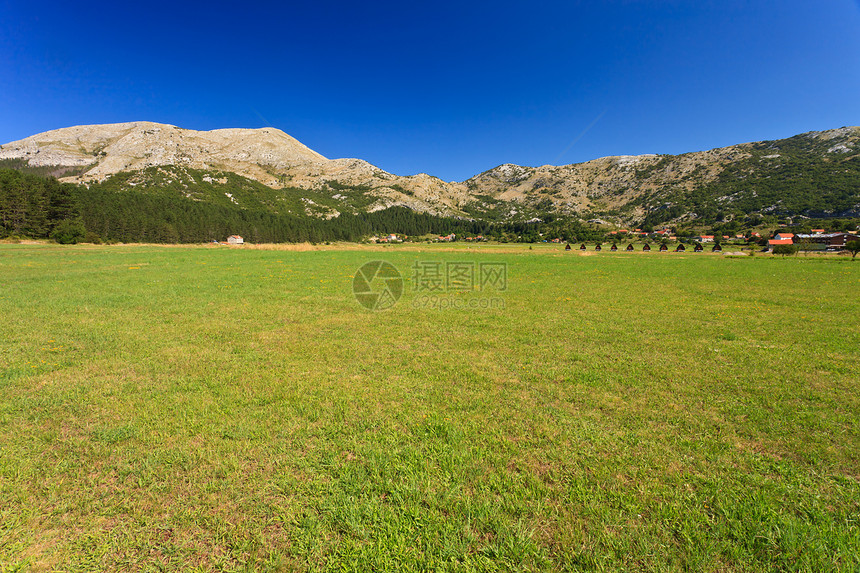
(33, 206)
(42, 207)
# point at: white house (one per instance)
(235, 240)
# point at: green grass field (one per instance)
(191, 408)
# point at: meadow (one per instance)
(232, 409)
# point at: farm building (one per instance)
(646, 247)
(235, 240)
(821, 241)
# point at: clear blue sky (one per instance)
(447, 88)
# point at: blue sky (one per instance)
(446, 88)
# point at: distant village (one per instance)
(816, 240)
(395, 238)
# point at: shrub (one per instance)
(784, 250)
(68, 232)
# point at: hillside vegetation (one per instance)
(178, 205)
(265, 171)
(808, 175)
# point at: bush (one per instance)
(93, 238)
(784, 250)
(68, 232)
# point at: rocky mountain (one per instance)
(94, 153)
(813, 174)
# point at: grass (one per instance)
(189, 408)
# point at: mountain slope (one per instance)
(113, 148)
(94, 153)
(816, 174)
(813, 174)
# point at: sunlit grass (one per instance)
(232, 409)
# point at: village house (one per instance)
(392, 238)
(235, 240)
(783, 236)
(705, 238)
(774, 242)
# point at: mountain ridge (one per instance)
(627, 188)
